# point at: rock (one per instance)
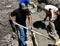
(9, 41)
(6, 39)
(42, 1)
(40, 6)
(53, 2)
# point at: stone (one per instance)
(40, 6)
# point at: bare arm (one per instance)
(11, 18)
(30, 20)
(52, 15)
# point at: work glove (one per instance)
(14, 23)
(30, 28)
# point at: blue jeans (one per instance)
(22, 35)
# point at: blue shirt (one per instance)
(24, 1)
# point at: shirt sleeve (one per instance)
(54, 8)
(27, 12)
(13, 13)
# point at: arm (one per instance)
(30, 20)
(11, 23)
(11, 18)
(13, 13)
(52, 15)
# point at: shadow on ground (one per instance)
(39, 24)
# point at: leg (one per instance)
(52, 27)
(51, 23)
(22, 36)
(54, 32)
(25, 34)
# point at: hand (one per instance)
(14, 22)
(52, 20)
(30, 28)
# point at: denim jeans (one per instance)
(22, 35)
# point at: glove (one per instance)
(30, 28)
(14, 23)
